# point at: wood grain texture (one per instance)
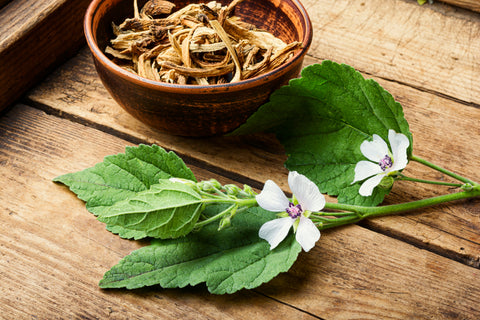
(54, 252)
(467, 4)
(430, 47)
(35, 37)
(451, 230)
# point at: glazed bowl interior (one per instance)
(196, 110)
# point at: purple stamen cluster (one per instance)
(385, 163)
(294, 211)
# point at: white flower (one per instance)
(382, 162)
(309, 200)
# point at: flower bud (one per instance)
(248, 190)
(224, 223)
(231, 189)
(209, 186)
(387, 182)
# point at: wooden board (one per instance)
(54, 252)
(75, 91)
(432, 48)
(35, 37)
(467, 4)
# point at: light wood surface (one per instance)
(418, 265)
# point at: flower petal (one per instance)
(374, 150)
(274, 231)
(307, 234)
(399, 143)
(367, 187)
(365, 169)
(272, 198)
(306, 192)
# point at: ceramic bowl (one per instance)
(195, 110)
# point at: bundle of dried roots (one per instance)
(198, 44)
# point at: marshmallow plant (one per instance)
(345, 137)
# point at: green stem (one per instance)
(242, 204)
(397, 208)
(442, 170)
(250, 202)
(215, 217)
(361, 212)
(323, 214)
(337, 222)
(405, 178)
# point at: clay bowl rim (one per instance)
(194, 89)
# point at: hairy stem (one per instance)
(442, 170)
(361, 212)
(405, 178)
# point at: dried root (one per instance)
(198, 44)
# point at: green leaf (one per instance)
(225, 261)
(166, 210)
(322, 118)
(122, 177)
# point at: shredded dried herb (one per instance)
(198, 44)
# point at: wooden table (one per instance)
(419, 265)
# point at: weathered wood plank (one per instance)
(54, 252)
(35, 37)
(428, 47)
(467, 4)
(75, 91)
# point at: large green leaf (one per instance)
(110, 184)
(225, 261)
(166, 210)
(322, 118)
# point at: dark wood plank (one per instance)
(3, 3)
(35, 37)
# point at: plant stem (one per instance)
(323, 214)
(368, 212)
(336, 222)
(215, 217)
(241, 204)
(249, 202)
(442, 170)
(405, 178)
